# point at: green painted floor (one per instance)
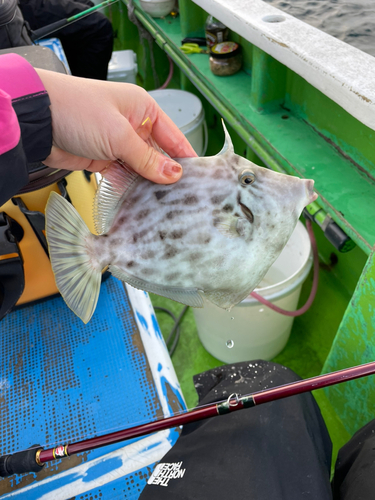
(305, 352)
(309, 344)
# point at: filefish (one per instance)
(211, 236)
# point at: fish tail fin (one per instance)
(77, 277)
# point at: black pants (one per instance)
(280, 450)
(87, 43)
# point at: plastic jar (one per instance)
(225, 58)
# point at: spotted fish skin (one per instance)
(212, 235)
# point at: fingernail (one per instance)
(171, 169)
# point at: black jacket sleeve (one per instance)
(35, 144)
(13, 169)
(34, 117)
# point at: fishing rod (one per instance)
(51, 28)
(33, 459)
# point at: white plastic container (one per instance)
(251, 330)
(123, 66)
(186, 111)
(157, 8)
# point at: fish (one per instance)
(211, 236)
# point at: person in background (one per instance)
(87, 43)
(73, 123)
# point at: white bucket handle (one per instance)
(205, 137)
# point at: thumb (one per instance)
(148, 162)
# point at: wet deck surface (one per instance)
(62, 382)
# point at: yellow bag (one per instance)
(28, 211)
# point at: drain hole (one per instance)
(273, 19)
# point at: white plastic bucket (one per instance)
(186, 111)
(251, 330)
(157, 8)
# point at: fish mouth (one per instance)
(309, 189)
(247, 212)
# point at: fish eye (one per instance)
(246, 177)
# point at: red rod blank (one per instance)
(211, 410)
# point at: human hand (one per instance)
(94, 122)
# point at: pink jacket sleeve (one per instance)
(10, 132)
(25, 123)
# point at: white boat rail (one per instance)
(343, 73)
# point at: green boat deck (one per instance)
(279, 120)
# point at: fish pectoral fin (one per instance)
(117, 181)
(244, 228)
(188, 296)
(228, 226)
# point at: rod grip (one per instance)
(332, 231)
(46, 30)
(20, 462)
(194, 39)
(338, 237)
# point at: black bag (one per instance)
(14, 31)
(279, 451)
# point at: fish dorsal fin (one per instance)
(118, 179)
(151, 142)
(145, 133)
(188, 296)
(228, 145)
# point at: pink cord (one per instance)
(314, 288)
(169, 77)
